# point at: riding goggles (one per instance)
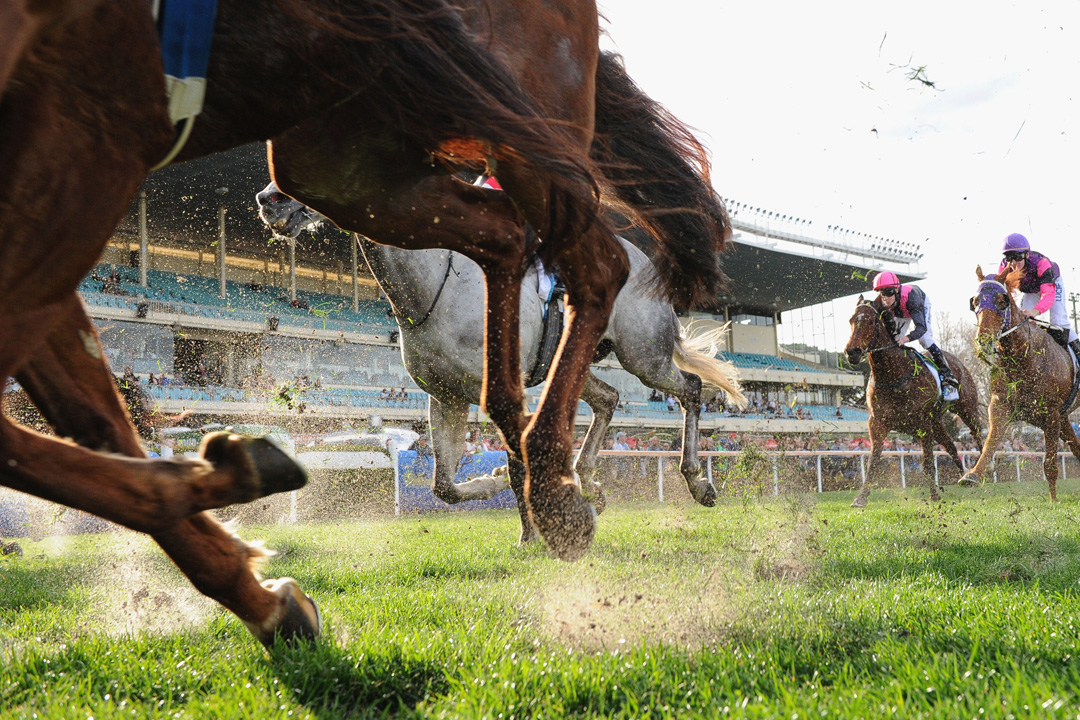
(1013, 256)
(889, 292)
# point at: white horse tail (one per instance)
(697, 353)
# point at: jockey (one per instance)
(1041, 284)
(910, 305)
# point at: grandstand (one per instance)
(193, 287)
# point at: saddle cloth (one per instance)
(945, 392)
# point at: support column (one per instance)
(144, 240)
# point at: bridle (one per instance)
(877, 318)
(1006, 318)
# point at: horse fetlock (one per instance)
(296, 619)
(969, 480)
(259, 466)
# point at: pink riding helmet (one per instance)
(886, 279)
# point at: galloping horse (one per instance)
(903, 395)
(437, 297)
(395, 95)
(1031, 376)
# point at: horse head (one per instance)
(995, 311)
(283, 215)
(869, 331)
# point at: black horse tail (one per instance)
(658, 174)
(432, 79)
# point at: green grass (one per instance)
(793, 607)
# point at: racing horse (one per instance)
(1031, 376)
(396, 94)
(437, 298)
(903, 395)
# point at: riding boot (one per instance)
(947, 377)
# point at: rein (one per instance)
(442, 285)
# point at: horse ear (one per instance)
(860, 301)
(979, 273)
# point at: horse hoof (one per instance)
(297, 619)
(968, 480)
(566, 521)
(596, 496)
(258, 458)
(704, 493)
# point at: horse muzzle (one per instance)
(854, 355)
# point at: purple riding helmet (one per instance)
(1016, 243)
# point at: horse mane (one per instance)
(421, 62)
(656, 172)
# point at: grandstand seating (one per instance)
(757, 361)
(198, 295)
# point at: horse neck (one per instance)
(410, 279)
(889, 360)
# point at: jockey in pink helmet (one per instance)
(911, 308)
(1041, 284)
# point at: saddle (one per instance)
(947, 392)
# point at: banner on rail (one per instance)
(414, 477)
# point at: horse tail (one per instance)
(441, 86)
(658, 172)
(697, 353)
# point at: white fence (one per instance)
(904, 459)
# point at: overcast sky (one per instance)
(820, 110)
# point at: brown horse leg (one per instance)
(877, 431)
(941, 435)
(927, 442)
(1051, 435)
(76, 393)
(1069, 436)
(595, 269)
(999, 423)
(142, 494)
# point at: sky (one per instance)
(957, 122)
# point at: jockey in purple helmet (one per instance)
(911, 308)
(1041, 284)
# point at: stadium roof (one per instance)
(770, 274)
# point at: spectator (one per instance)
(620, 442)
(421, 445)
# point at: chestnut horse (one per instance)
(396, 95)
(1031, 376)
(903, 395)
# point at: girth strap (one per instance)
(549, 342)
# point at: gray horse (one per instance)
(438, 299)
